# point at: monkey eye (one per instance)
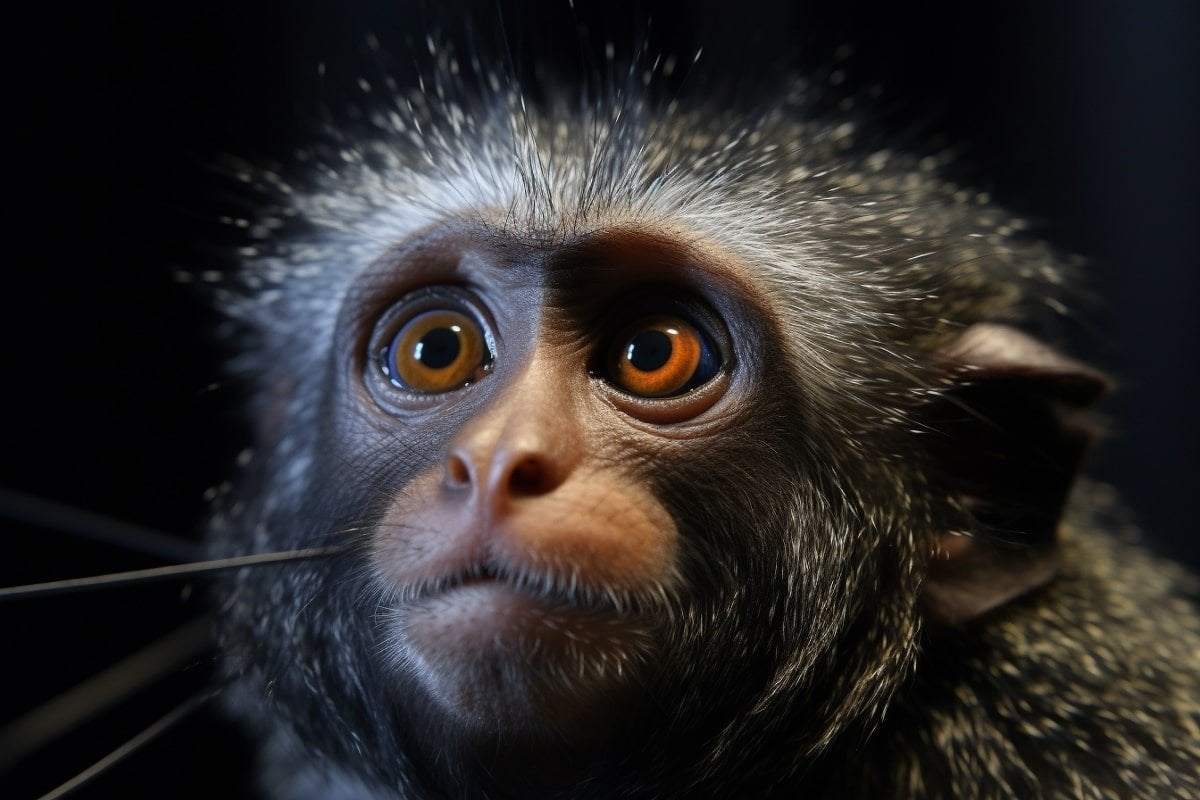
(437, 350)
(661, 355)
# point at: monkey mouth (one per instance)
(459, 631)
(560, 593)
(495, 650)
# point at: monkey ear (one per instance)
(1006, 437)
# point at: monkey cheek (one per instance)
(494, 659)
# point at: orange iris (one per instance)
(656, 356)
(437, 351)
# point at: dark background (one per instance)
(1083, 116)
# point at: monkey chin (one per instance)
(495, 658)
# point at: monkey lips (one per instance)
(530, 615)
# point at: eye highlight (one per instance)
(662, 355)
(437, 350)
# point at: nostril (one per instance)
(528, 476)
(457, 471)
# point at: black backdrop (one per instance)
(1080, 115)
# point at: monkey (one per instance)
(671, 451)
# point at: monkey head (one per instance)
(654, 440)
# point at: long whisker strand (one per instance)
(131, 577)
(156, 729)
(103, 690)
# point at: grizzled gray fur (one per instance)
(801, 652)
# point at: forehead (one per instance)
(601, 263)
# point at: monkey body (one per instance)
(677, 453)
(1025, 703)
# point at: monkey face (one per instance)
(622, 476)
(523, 409)
(584, 500)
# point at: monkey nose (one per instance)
(507, 472)
(525, 445)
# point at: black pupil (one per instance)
(649, 350)
(438, 349)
